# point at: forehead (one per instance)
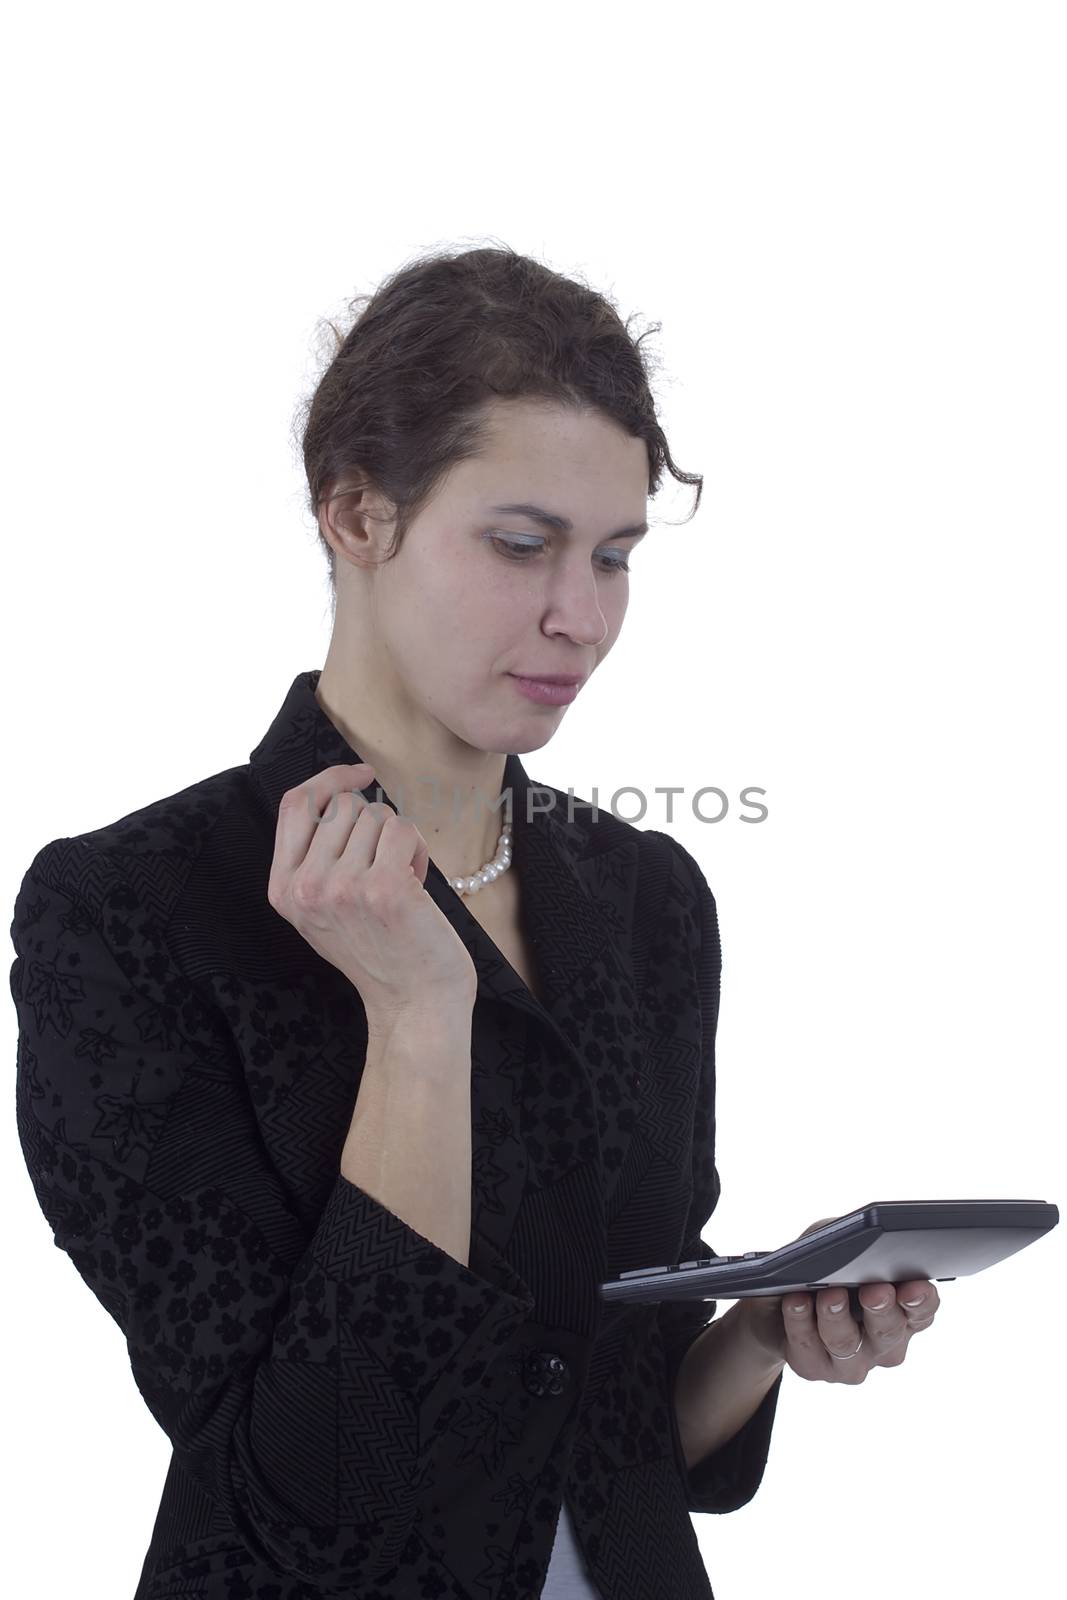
(582, 467)
(538, 425)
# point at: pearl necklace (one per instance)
(492, 869)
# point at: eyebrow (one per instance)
(558, 524)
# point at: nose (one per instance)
(576, 610)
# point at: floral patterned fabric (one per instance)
(352, 1411)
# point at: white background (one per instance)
(849, 220)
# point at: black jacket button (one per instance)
(545, 1373)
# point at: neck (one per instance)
(452, 795)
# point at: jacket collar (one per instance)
(572, 906)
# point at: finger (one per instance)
(399, 846)
(807, 1353)
(349, 831)
(838, 1329)
(884, 1322)
(919, 1300)
(301, 812)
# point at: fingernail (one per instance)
(877, 1305)
(918, 1302)
(840, 1306)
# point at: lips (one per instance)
(544, 693)
(566, 679)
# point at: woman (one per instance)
(344, 1128)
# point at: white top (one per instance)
(567, 1577)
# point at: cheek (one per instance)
(496, 613)
(458, 634)
(438, 604)
(483, 589)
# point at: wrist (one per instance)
(759, 1321)
(418, 1018)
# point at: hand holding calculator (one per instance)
(887, 1241)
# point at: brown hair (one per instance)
(406, 392)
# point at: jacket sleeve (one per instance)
(728, 1477)
(301, 1379)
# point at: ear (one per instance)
(354, 521)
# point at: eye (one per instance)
(518, 548)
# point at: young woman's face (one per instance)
(476, 595)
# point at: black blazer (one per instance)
(352, 1411)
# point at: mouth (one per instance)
(564, 680)
(555, 691)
